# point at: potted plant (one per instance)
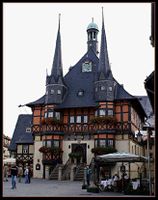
(103, 120)
(103, 150)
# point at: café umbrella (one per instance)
(121, 157)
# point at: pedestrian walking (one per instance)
(14, 172)
(88, 173)
(26, 173)
(29, 174)
(20, 173)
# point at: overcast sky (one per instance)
(29, 37)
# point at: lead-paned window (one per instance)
(49, 143)
(110, 112)
(50, 114)
(110, 143)
(102, 112)
(25, 148)
(44, 143)
(78, 119)
(72, 119)
(85, 119)
(102, 143)
(57, 115)
(45, 115)
(56, 143)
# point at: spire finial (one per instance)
(59, 20)
(92, 19)
(102, 13)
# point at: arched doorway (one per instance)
(81, 149)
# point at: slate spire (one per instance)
(55, 85)
(57, 70)
(104, 67)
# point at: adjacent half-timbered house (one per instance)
(21, 146)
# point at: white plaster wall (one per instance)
(122, 145)
(37, 155)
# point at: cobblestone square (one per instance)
(51, 188)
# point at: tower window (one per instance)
(52, 91)
(58, 91)
(47, 92)
(110, 89)
(102, 88)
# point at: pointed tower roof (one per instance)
(104, 67)
(57, 70)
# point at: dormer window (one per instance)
(28, 130)
(58, 91)
(80, 93)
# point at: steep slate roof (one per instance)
(149, 86)
(76, 80)
(20, 135)
(144, 100)
(40, 101)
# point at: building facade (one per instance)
(6, 143)
(85, 109)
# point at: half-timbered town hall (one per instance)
(83, 112)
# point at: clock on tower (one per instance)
(87, 66)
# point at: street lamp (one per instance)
(139, 136)
(149, 132)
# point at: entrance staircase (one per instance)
(79, 175)
(54, 173)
